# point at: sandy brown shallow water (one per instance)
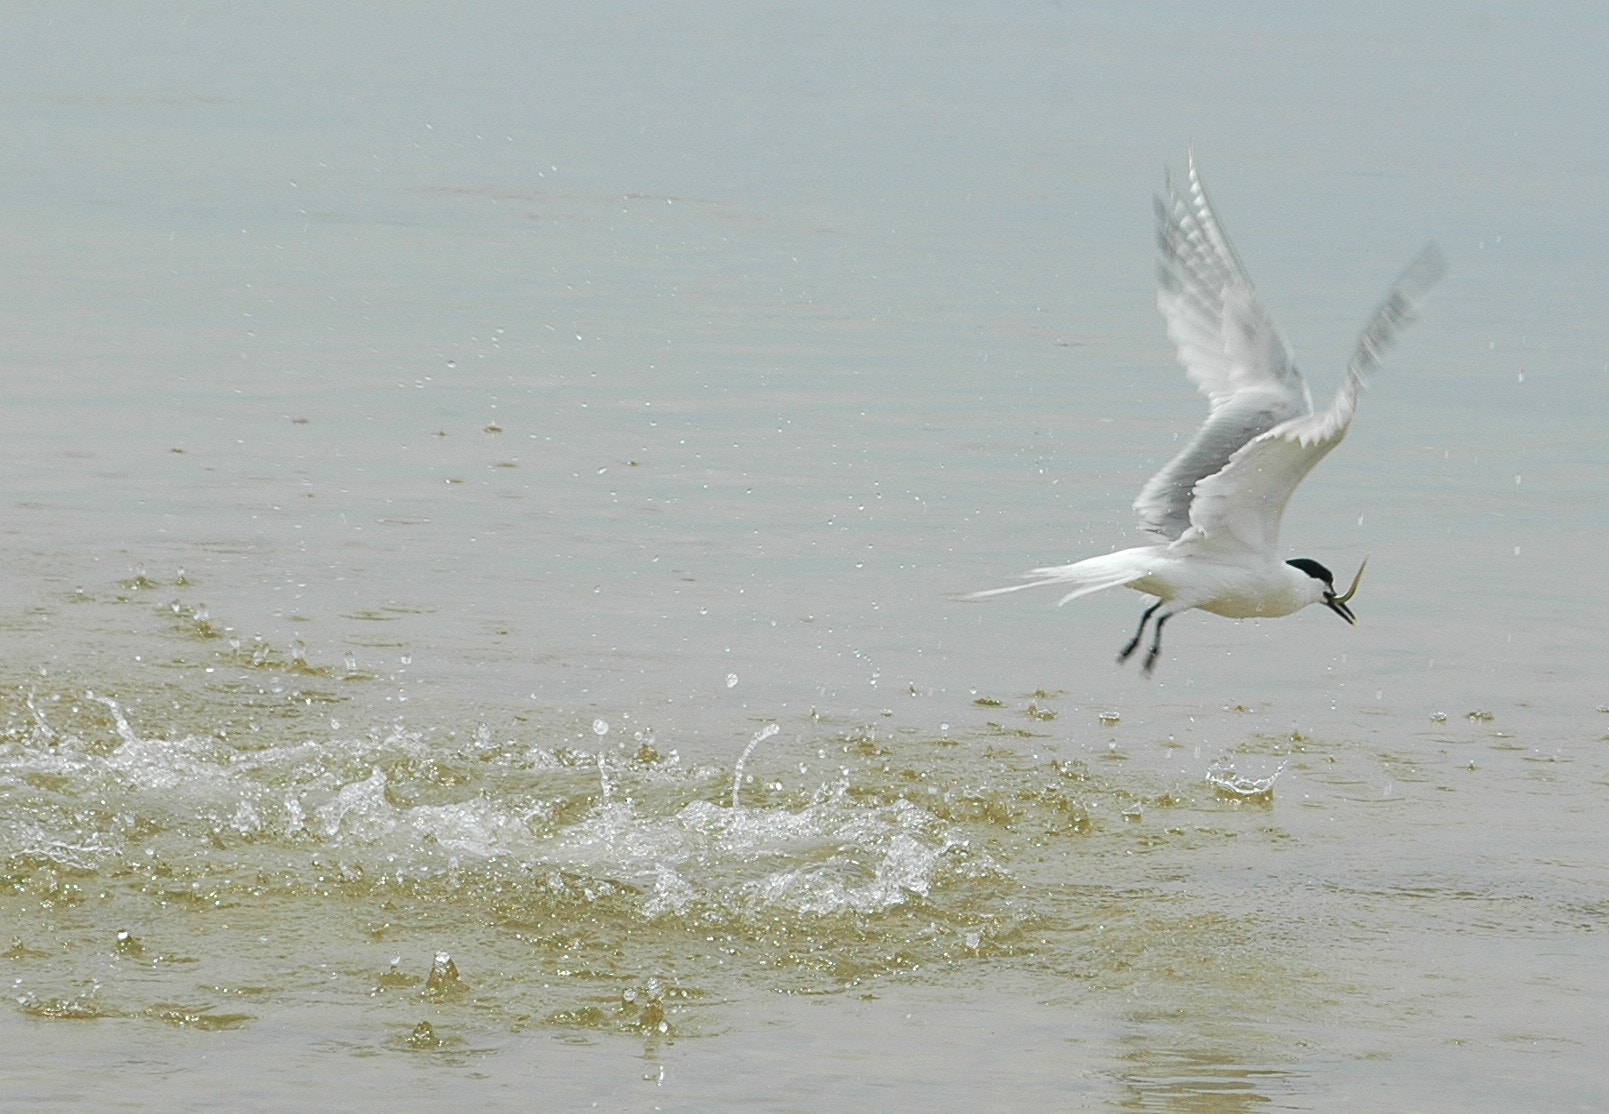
(484, 503)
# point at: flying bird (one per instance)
(1215, 508)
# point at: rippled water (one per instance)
(485, 506)
(337, 891)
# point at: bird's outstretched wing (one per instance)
(1228, 345)
(1240, 506)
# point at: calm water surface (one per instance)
(484, 504)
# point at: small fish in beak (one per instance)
(1337, 603)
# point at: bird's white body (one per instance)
(1216, 507)
(1234, 589)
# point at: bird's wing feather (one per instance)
(1228, 345)
(1164, 504)
(1240, 507)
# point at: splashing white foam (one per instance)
(760, 736)
(402, 803)
(1221, 775)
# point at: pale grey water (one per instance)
(670, 369)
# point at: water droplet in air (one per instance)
(731, 680)
(600, 727)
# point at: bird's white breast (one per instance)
(1265, 590)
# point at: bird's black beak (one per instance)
(1340, 608)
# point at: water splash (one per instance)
(1221, 776)
(123, 728)
(760, 736)
(529, 853)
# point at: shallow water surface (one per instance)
(486, 505)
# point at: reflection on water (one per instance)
(1202, 1079)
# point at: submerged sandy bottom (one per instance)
(246, 867)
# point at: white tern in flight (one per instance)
(1216, 507)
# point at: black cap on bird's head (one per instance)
(1330, 600)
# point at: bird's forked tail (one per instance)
(1094, 574)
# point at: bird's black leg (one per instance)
(1134, 643)
(1156, 643)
